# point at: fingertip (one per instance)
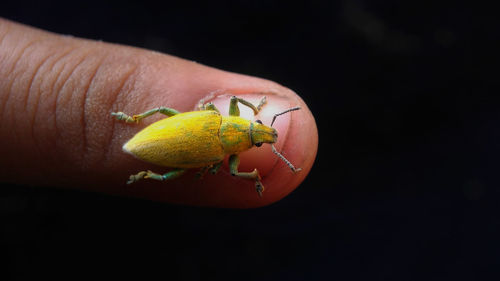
(299, 147)
(83, 145)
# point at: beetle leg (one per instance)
(233, 107)
(234, 162)
(212, 168)
(136, 177)
(199, 175)
(262, 102)
(136, 118)
(209, 106)
(235, 111)
(215, 168)
(175, 173)
(122, 116)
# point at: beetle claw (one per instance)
(262, 102)
(259, 188)
(137, 177)
(123, 117)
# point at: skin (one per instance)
(56, 96)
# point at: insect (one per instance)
(200, 139)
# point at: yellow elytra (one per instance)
(199, 139)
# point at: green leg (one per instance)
(136, 118)
(209, 106)
(212, 168)
(199, 175)
(234, 162)
(154, 176)
(235, 111)
(215, 168)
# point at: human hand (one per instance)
(56, 96)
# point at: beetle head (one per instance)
(261, 133)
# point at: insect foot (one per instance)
(259, 187)
(137, 177)
(123, 117)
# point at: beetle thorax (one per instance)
(235, 134)
(239, 134)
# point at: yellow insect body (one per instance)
(199, 139)
(185, 140)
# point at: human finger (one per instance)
(56, 96)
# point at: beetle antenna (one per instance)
(284, 159)
(283, 112)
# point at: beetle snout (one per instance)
(271, 135)
(263, 134)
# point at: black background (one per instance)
(405, 184)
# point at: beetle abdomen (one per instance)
(185, 140)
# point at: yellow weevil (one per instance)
(200, 139)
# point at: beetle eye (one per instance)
(258, 121)
(258, 144)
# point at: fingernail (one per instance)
(261, 157)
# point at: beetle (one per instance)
(200, 139)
